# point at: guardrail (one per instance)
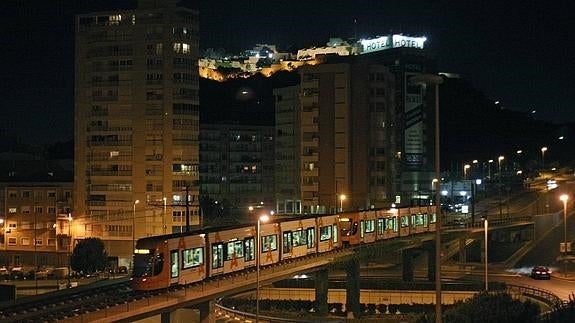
(542, 295)
(493, 223)
(245, 316)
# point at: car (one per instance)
(540, 272)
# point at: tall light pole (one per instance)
(69, 247)
(35, 252)
(429, 79)
(465, 168)
(164, 215)
(564, 198)
(134, 226)
(543, 150)
(262, 218)
(342, 198)
(485, 238)
(499, 159)
(489, 168)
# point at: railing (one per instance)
(492, 223)
(544, 296)
(245, 316)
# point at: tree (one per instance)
(89, 256)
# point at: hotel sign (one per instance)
(387, 42)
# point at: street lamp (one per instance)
(465, 168)
(485, 238)
(429, 79)
(69, 247)
(2, 232)
(134, 226)
(342, 198)
(543, 150)
(489, 168)
(499, 159)
(164, 215)
(564, 198)
(263, 218)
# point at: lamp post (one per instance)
(499, 159)
(465, 168)
(429, 79)
(164, 215)
(564, 198)
(69, 247)
(489, 168)
(485, 238)
(2, 232)
(543, 150)
(342, 198)
(35, 253)
(262, 218)
(134, 226)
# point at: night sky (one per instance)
(518, 52)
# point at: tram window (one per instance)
(192, 257)
(335, 235)
(217, 255)
(380, 226)
(287, 241)
(369, 226)
(404, 221)
(234, 249)
(175, 263)
(325, 233)
(310, 233)
(390, 224)
(299, 238)
(249, 249)
(269, 243)
(158, 264)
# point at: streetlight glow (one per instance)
(465, 168)
(69, 247)
(543, 150)
(134, 226)
(564, 198)
(342, 198)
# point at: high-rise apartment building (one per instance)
(136, 122)
(237, 165)
(414, 144)
(287, 150)
(346, 129)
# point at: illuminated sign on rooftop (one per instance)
(387, 42)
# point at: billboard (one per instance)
(392, 41)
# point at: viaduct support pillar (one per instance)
(321, 290)
(207, 314)
(353, 289)
(407, 265)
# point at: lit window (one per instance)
(12, 210)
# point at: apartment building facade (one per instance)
(237, 165)
(36, 224)
(346, 130)
(136, 123)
